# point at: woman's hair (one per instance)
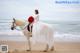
(36, 11)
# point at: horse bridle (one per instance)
(13, 26)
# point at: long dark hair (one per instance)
(36, 11)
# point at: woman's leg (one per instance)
(28, 27)
(31, 27)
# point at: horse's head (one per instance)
(13, 24)
(17, 22)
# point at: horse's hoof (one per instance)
(47, 47)
(28, 50)
(45, 51)
(52, 49)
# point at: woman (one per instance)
(33, 19)
(36, 16)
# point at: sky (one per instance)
(49, 10)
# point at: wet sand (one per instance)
(67, 47)
(59, 47)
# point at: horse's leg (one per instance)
(50, 40)
(44, 32)
(47, 46)
(28, 39)
(29, 44)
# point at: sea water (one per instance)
(63, 31)
(69, 27)
(66, 30)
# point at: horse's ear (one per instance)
(14, 19)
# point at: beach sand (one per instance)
(67, 47)
(59, 47)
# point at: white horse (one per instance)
(41, 32)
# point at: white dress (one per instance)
(36, 18)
